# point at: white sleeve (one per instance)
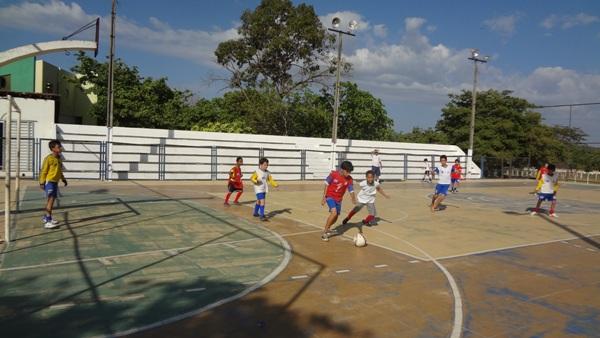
(363, 183)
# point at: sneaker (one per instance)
(333, 232)
(345, 221)
(554, 215)
(51, 224)
(533, 213)
(325, 237)
(236, 202)
(256, 215)
(225, 204)
(455, 190)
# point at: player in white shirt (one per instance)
(426, 171)
(261, 179)
(546, 190)
(366, 196)
(444, 172)
(376, 165)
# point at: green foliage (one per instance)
(419, 135)
(138, 102)
(281, 46)
(224, 127)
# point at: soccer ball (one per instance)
(360, 240)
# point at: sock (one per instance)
(369, 219)
(261, 210)
(256, 207)
(237, 197)
(227, 197)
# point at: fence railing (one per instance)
(88, 160)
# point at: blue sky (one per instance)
(410, 54)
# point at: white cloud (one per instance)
(380, 31)
(503, 25)
(59, 18)
(569, 21)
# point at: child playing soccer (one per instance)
(336, 185)
(427, 171)
(456, 174)
(441, 188)
(261, 179)
(366, 196)
(546, 190)
(235, 182)
(50, 174)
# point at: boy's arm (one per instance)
(272, 181)
(324, 195)
(380, 189)
(232, 175)
(352, 193)
(254, 178)
(539, 185)
(44, 171)
(556, 185)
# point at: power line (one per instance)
(568, 105)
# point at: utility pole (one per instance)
(475, 58)
(110, 103)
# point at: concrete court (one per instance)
(482, 267)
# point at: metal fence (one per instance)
(162, 161)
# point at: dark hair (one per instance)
(239, 158)
(443, 157)
(551, 167)
(457, 160)
(370, 172)
(53, 144)
(263, 160)
(424, 159)
(347, 165)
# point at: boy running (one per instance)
(234, 184)
(261, 179)
(50, 174)
(336, 185)
(456, 174)
(546, 190)
(427, 171)
(366, 196)
(441, 189)
(376, 164)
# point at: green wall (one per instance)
(22, 75)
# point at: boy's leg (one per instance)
(237, 196)
(435, 196)
(50, 206)
(437, 202)
(353, 212)
(537, 207)
(227, 198)
(261, 208)
(553, 207)
(333, 215)
(372, 213)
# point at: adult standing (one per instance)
(376, 165)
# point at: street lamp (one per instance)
(475, 57)
(335, 23)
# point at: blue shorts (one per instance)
(261, 195)
(546, 197)
(441, 189)
(455, 180)
(331, 203)
(376, 171)
(51, 189)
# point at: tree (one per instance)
(280, 45)
(138, 101)
(419, 135)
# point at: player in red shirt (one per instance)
(543, 170)
(455, 175)
(234, 184)
(336, 185)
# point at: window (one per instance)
(5, 82)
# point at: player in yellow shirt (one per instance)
(50, 174)
(546, 190)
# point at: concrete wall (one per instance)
(39, 115)
(139, 154)
(74, 105)
(22, 75)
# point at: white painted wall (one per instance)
(188, 153)
(38, 111)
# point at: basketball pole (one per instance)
(110, 99)
(18, 168)
(7, 211)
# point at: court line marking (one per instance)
(562, 240)
(170, 251)
(342, 271)
(285, 261)
(458, 312)
(195, 290)
(299, 277)
(380, 266)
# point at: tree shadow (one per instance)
(571, 231)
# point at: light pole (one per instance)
(475, 57)
(336, 105)
(110, 96)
